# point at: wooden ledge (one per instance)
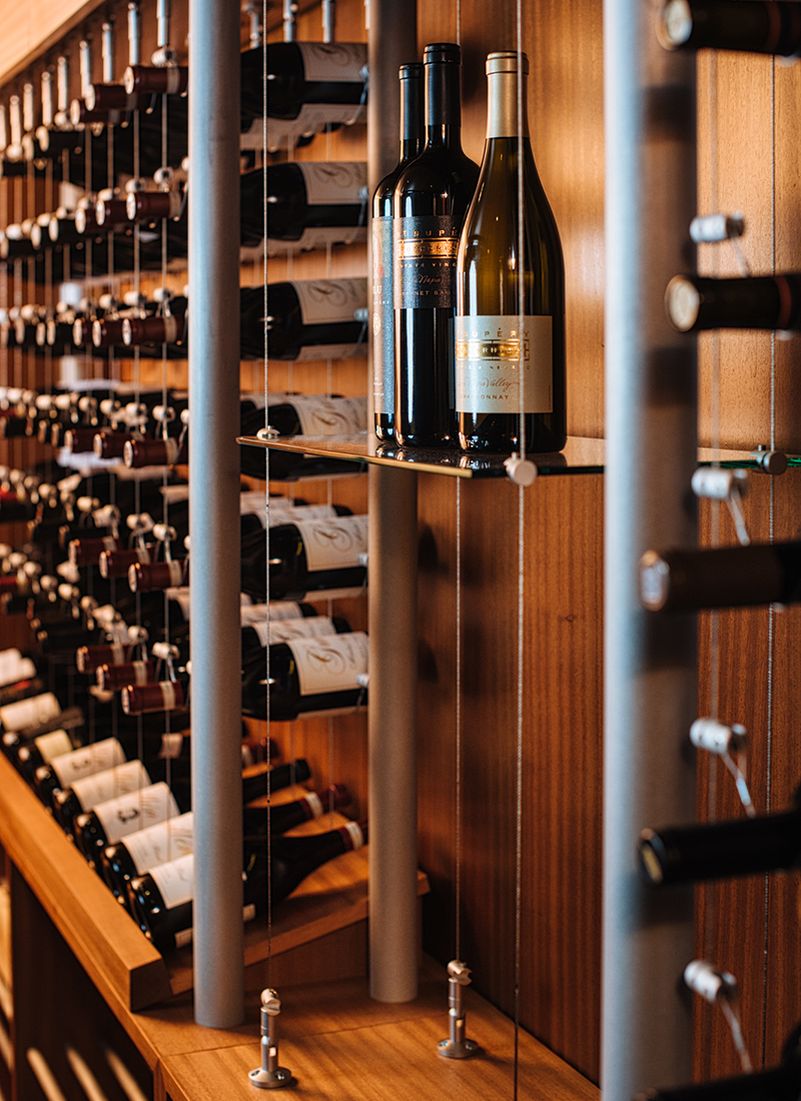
(342, 1046)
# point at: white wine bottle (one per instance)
(489, 345)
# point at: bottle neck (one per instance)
(443, 105)
(502, 106)
(411, 123)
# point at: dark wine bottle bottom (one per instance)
(500, 434)
(385, 426)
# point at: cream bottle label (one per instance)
(324, 61)
(163, 842)
(135, 810)
(54, 744)
(30, 712)
(87, 761)
(333, 664)
(334, 544)
(113, 782)
(336, 183)
(316, 626)
(327, 301)
(176, 880)
(331, 416)
(488, 357)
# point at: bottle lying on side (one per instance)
(146, 849)
(112, 820)
(161, 901)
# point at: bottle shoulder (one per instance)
(435, 170)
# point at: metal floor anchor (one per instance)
(457, 1046)
(270, 1076)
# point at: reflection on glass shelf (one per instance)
(582, 455)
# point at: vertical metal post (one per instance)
(394, 935)
(214, 508)
(651, 675)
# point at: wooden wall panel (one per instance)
(562, 746)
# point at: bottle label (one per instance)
(278, 610)
(425, 250)
(316, 626)
(488, 355)
(334, 544)
(333, 664)
(87, 761)
(181, 598)
(121, 780)
(136, 810)
(54, 744)
(355, 835)
(328, 301)
(331, 416)
(30, 712)
(171, 746)
(176, 880)
(166, 841)
(383, 317)
(323, 61)
(339, 183)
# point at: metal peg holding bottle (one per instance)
(457, 1045)
(715, 483)
(270, 1075)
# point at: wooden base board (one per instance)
(342, 1046)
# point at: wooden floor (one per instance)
(342, 1046)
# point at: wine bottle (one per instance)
(719, 850)
(22, 747)
(28, 712)
(314, 204)
(411, 144)
(695, 303)
(257, 634)
(110, 821)
(311, 319)
(491, 350)
(162, 899)
(311, 556)
(721, 577)
(312, 85)
(308, 416)
(430, 203)
(751, 26)
(139, 852)
(308, 677)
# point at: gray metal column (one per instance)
(650, 696)
(214, 508)
(394, 933)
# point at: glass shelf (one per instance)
(582, 455)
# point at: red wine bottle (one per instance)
(431, 201)
(695, 303)
(308, 677)
(109, 822)
(260, 633)
(310, 319)
(749, 26)
(719, 850)
(305, 557)
(313, 85)
(138, 853)
(309, 416)
(162, 899)
(721, 577)
(411, 144)
(314, 204)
